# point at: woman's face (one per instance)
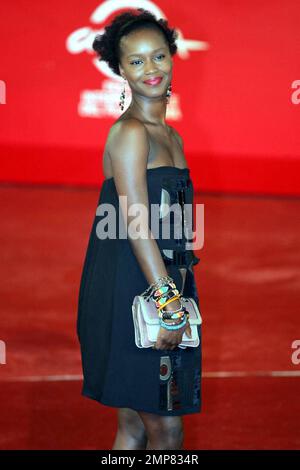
(145, 54)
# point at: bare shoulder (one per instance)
(127, 131)
(177, 136)
(128, 148)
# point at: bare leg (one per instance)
(131, 434)
(164, 432)
(140, 430)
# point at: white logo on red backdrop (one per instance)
(105, 101)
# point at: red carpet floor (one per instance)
(249, 285)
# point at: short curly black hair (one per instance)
(107, 44)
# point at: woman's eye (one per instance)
(135, 61)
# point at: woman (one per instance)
(143, 160)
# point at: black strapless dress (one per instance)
(115, 371)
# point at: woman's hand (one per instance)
(170, 339)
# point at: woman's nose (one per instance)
(150, 68)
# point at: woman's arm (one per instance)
(128, 151)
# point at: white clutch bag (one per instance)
(146, 322)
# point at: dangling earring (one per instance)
(122, 97)
(169, 93)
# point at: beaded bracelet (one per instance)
(164, 289)
(160, 292)
(173, 327)
(164, 296)
(161, 281)
(176, 297)
(170, 314)
(160, 301)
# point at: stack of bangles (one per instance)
(163, 292)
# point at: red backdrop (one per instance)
(236, 91)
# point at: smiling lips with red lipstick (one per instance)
(153, 81)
